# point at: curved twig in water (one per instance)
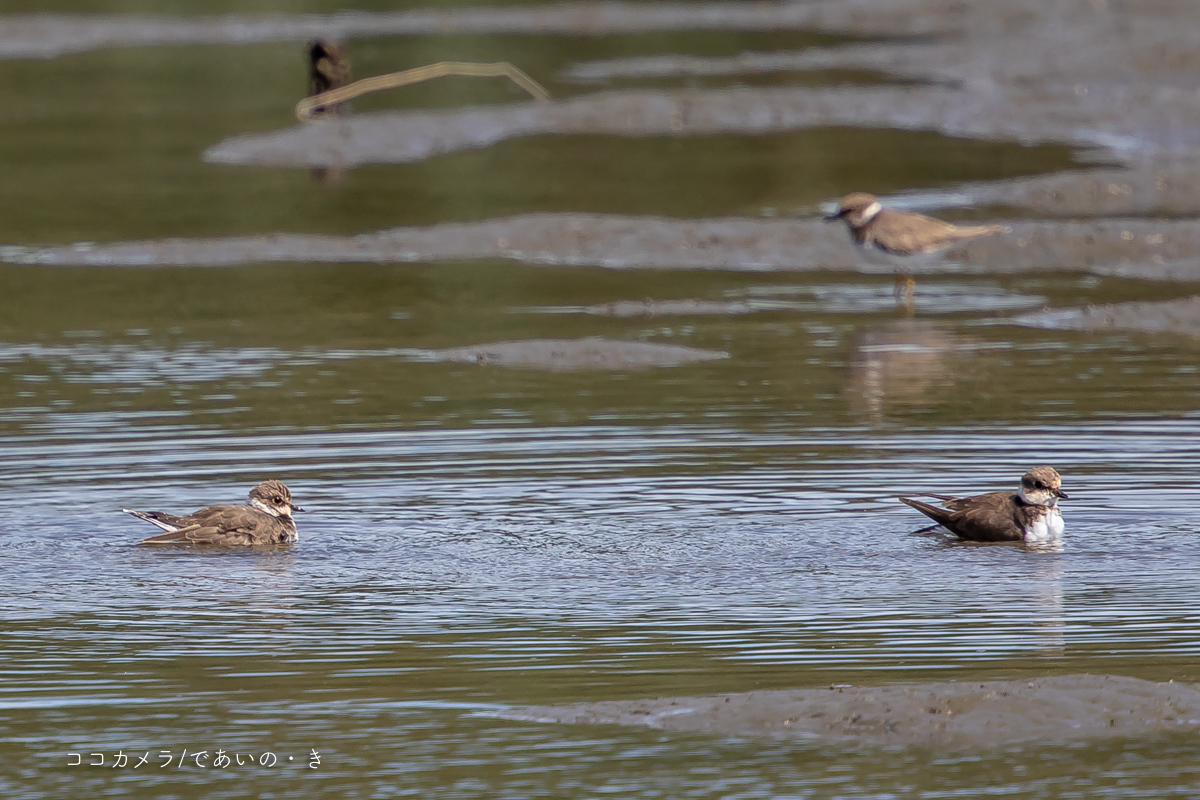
(307, 107)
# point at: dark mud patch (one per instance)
(1180, 317)
(592, 353)
(944, 715)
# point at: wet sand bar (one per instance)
(943, 714)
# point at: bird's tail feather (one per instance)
(939, 515)
(971, 231)
(152, 518)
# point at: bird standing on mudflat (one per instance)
(266, 520)
(1030, 515)
(899, 233)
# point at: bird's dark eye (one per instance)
(278, 500)
(1039, 485)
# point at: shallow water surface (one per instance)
(481, 536)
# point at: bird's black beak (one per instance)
(1061, 494)
(295, 507)
(835, 217)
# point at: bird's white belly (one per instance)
(875, 256)
(1046, 528)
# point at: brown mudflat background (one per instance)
(1116, 77)
(1179, 317)
(950, 714)
(1113, 79)
(1147, 249)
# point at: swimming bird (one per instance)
(266, 520)
(1030, 515)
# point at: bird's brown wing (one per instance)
(939, 515)
(909, 234)
(220, 525)
(197, 534)
(983, 518)
(224, 516)
(986, 518)
(991, 499)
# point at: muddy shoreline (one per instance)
(1175, 317)
(1114, 79)
(1136, 248)
(944, 715)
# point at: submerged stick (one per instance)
(309, 106)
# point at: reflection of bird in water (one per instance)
(328, 68)
(1028, 515)
(1047, 605)
(898, 233)
(904, 288)
(902, 362)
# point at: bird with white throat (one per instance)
(900, 233)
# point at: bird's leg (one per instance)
(904, 288)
